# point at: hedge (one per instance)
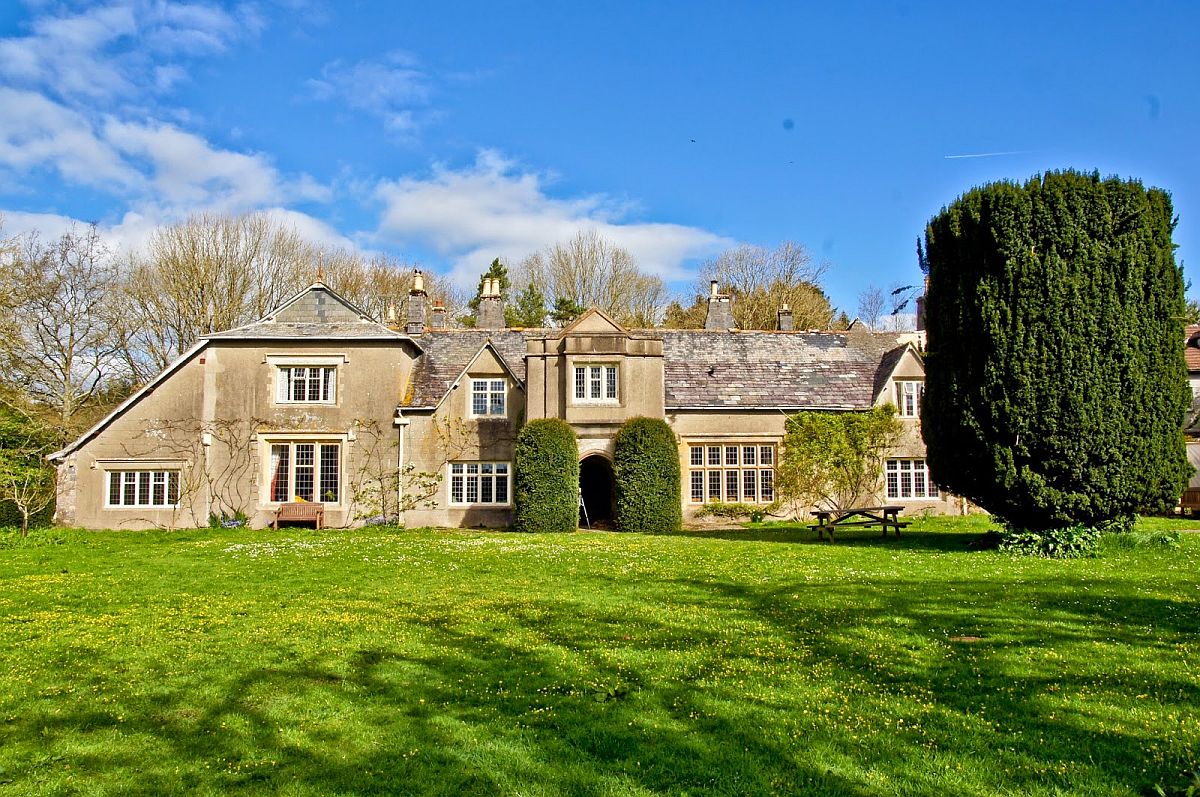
(646, 466)
(546, 461)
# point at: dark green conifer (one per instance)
(1056, 386)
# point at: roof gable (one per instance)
(317, 304)
(593, 322)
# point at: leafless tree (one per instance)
(61, 346)
(206, 274)
(591, 271)
(761, 280)
(871, 303)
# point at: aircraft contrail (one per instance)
(989, 154)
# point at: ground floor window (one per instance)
(479, 483)
(306, 471)
(731, 472)
(909, 478)
(150, 488)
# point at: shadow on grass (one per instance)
(800, 534)
(581, 698)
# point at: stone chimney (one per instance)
(921, 307)
(720, 311)
(491, 306)
(439, 315)
(416, 305)
(784, 314)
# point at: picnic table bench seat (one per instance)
(883, 516)
(300, 512)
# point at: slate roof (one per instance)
(730, 370)
(447, 353)
(751, 370)
(337, 330)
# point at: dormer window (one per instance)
(596, 383)
(908, 398)
(489, 398)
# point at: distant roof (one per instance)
(787, 370)
(751, 370)
(1191, 348)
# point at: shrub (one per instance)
(546, 465)
(1069, 542)
(726, 510)
(646, 467)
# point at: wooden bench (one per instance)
(884, 516)
(300, 512)
(1189, 502)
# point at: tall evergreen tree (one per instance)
(1056, 386)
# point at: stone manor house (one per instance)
(319, 402)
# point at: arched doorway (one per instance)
(596, 487)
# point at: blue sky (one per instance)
(452, 133)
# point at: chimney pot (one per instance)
(712, 289)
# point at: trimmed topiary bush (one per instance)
(546, 465)
(646, 467)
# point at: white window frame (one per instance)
(268, 442)
(715, 469)
(132, 477)
(494, 393)
(472, 480)
(282, 366)
(908, 397)
(596, 383)
(903, 476)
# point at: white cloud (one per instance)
(36, 132)
(493, 209)
(104, 52)
(393, 89)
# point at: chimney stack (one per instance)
(720, 311)
(439, 315)
(784, 314)
(491, 306)
(416, 305)
(921, 307)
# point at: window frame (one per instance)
(328, 384)
(894, 472)
(724, 471)
(464, 478)
(602, 377)
(489, 392)
(318, 465)
(121, 472)
(905, 389)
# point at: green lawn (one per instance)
(463, 662)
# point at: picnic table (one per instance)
(301, 512)
(866, 516)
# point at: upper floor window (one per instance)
(908, 398)
(489, 398)
(306, 384)
(596, 383)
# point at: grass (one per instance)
(751, 661)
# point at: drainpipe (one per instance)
(401, 422)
